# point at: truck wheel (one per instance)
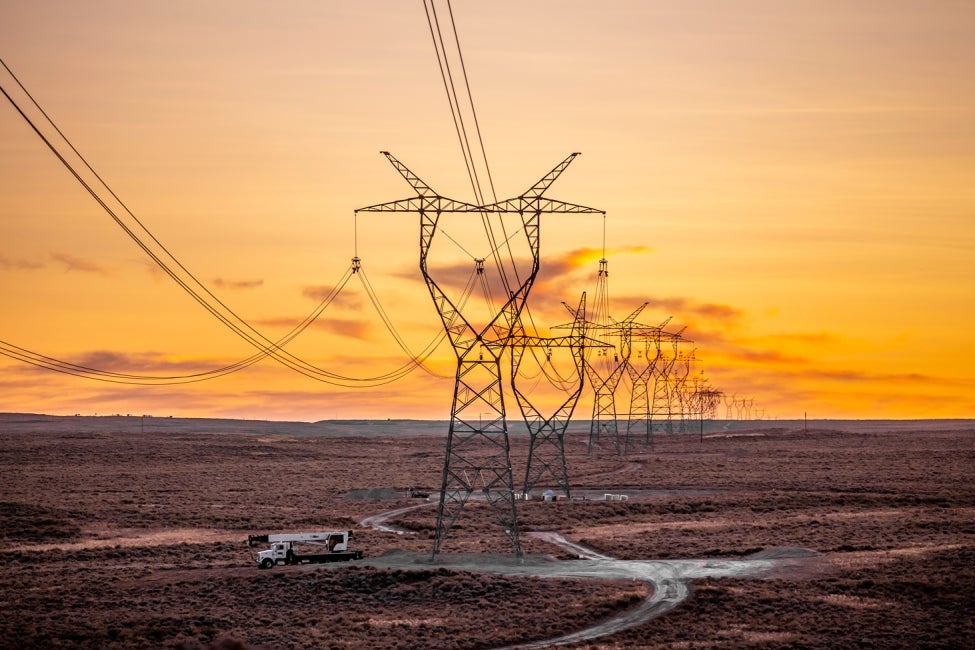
(267, 563)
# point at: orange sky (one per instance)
(795, 182)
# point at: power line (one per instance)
(459, 126)
(219, 310)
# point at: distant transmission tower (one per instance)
(729, 410)
(641, 373)
(477, 455)
(606, 367)
(605, 376)
(664, 403)
(680, 390)
(546, 454)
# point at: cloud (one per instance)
(588, 257)
(562, 277)
(766, 357)
(574, 259)
(456, 276)
(686, 309)
(144, 363)
(344, 300)
(153, 269)
(553, 269)
(108, 360)
(830, 391)
(814, 338)
(808, 377)
(138, 400)
(278, 321)
(147, 362)
(73, 263)
(356, 329)
(19, 264)
(858, 376)
(352, 328)
(221, 283)
(629, 250)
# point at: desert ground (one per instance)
(129, 532)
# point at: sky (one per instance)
(793, 182)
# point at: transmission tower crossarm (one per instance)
(422, 189)
(536, 190)
(526, 203)
(679, 336)
(657, 332)
(423, 204)
(529, 341)
(426, 199)
(636, 312)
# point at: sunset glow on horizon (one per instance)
(793, 182)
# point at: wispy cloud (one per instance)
(346, 299)
(234, 285)
(860, 376)
(73, 263)
(153, 269)
(108, 360)
(147, 362)
(352, 328)
(9, 264)
(355, 329)
(587, 257)
(811, 338)
(686, 308)
(776, 357)
(276, 321)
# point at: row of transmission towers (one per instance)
(650, 363)
(477, 458)
(492, 349)
(742, 408)
(664, 392)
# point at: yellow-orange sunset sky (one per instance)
(793, 181)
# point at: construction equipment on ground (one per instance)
(304, 548)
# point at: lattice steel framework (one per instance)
(604, 384)
(639, 420)
(679, 392)
(662, 405)
(546, 454)
(477, 454)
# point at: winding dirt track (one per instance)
(378, 522)
(669, 579)
(584, 552)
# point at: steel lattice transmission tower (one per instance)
(641, 373)
(605, 369)
(546, 454)
(664, 386)
(477, 455)
(605, 378)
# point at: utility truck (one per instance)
(302, 548)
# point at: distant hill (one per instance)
(31, 422)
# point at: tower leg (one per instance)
(477, 457)
(547, 456)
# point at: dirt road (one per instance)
(669, 579)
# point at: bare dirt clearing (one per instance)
(115, 533)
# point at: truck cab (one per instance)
(279, 552)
